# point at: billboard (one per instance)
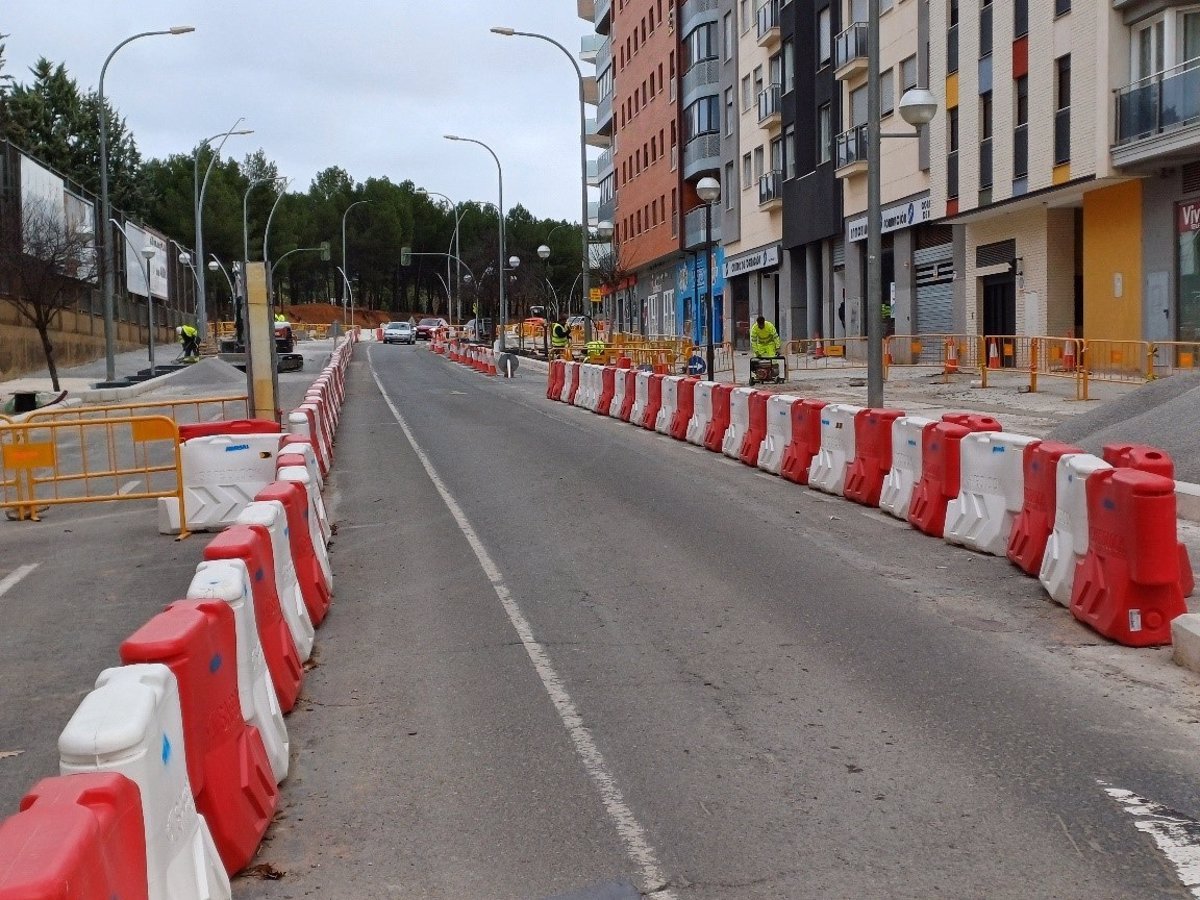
(135, 264)
(80, 216)
(42, 189)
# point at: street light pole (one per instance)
(110, 364)
(874, 225)
(198, 190)
(583, 175)
(344, 266)
(708, 189)
(500, 210)
(455, 246)
(148, 254)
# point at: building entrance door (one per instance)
(1000, 318)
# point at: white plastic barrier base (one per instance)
(228, 580)
(319, 529)
(779, 432)
(569, 381)
(641, 398)
(308, 451)
(702, 408)
(587, 376)
(670, 403)
(132, 724)
(1068, 542)
(828, 469)
(739, 422)
(991, 491)
(221, 474)
(271, 516)
(899, 482)
(618, 400)
(597, 388)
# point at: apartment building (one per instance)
(812, 194)
(917, 257)
(1156, 136)
(1051, 236)
(754, 108)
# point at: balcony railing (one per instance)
(850, 148)
(701, 154)
(1160, 103)
(706, 73)
(770, 188)
(952, 50)
(985, 163)
(768, 22)
(850, 49)
(693, 227)
(603, 16)
(589, 46)
(691, 9)
(770, 103)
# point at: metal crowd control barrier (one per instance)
(203, 409)
(826, 353)
(1169, 357)
(45, 464)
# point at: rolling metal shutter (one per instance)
(935, 295)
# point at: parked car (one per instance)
(426, 328)
(399, 333)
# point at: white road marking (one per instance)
(128, 486)
(15, 577)
(1177, 836)
(632, 835)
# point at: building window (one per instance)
(985, 29)
(985, 142)
(758, 163)
(727, 36)
(1062, 114)
(701, 44)
(824, 134)
(777, 155)
(908, 75)
(1021, 131)
(1020, 18)
(789, 151)
(789, 66)
(747, 95)
(730, 185)
(729, 111)
(825, 38)
(702, 117)
(952, 155)
(952, 39)
(858, 10)
(746, 171)
(858, 106)
(747, 18)
(1062, 7)
(887, 92)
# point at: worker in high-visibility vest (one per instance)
(189, 337)
(560, 335)
(764, 339)
(595, 349)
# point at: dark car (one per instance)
(426, 328)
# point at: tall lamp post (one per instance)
(454, 247)
(148, 253)
(110, 363)
(198, 190)
(500, 210)
(544, 253)
(344, 265)
(604, 231)
(917, 107)
(708, 189)
(583, 176)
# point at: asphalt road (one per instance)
(588, 661)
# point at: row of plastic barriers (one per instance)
(170, 767)
(474, 356)
(1101, 534)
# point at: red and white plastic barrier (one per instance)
(905, 472)
(702, 410)
(779, 432)
(669, 405)
(991, 491)
(828, 470)
(739, 422)
(1068, 541)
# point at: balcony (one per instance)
(586, 9)
(850, 152)
(704, 74)
(596, 137)
(1159, 117)
(702, 155)
(604, 114)
(604, 163)
(770, 190)
(768, 24)
(591, 90)
(850, 51)
(691, 10)
(693, 227)
(770, 106)
(603, 16)
(593, 212)
(604, 56)
(589, 46)
(593, 173)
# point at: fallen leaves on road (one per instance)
(265, 871)
(9, 754)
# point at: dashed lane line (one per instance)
(15, 577)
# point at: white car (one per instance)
(399, 333)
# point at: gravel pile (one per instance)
(1164, 413)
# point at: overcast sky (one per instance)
(369, 85)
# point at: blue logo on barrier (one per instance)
(234, 448)
(997, 449)
(214, 664)
(911, 442)
(258, 575)
(1109, 504)
(166, 750)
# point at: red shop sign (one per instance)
(1189, 217)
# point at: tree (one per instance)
(44, 258)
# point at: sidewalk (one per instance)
(81, 378)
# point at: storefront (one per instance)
(691, 297)
(1188, 219)
(753, 279)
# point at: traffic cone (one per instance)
(1068, 361)
(993, 355)
(491, 362)
(951, 356)
(819, 352)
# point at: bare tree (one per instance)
(44, 259)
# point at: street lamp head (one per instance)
(181, 29)
(514, 261)
(149, 252)
(452, 137)
(185, 259)
(214, 266)
(604, 230)
(543, 251)
(504, 30)
(708, 189)
(918, 106)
